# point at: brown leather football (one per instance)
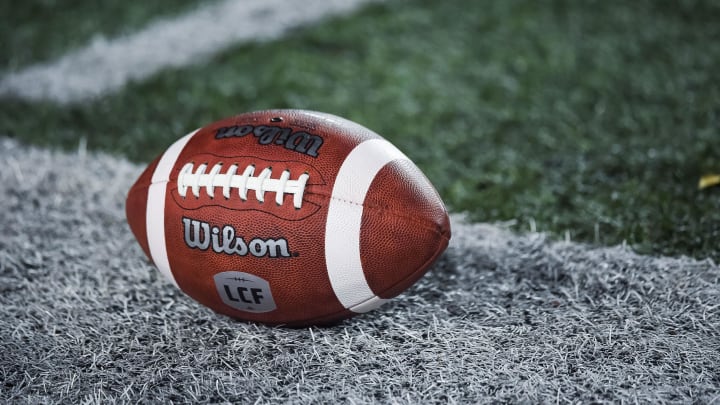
(288, 217)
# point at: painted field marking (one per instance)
(106, 65)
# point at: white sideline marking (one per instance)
(104, 66)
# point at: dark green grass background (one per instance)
(37, 30)
(591, 119)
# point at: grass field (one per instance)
(37, 30)
(592, 120)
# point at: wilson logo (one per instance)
(203, 236)
(300, 141)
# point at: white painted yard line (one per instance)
(105, 66)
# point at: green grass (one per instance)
(594, 119)
(37, 30)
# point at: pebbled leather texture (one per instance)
(404, 225)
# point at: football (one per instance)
(287, 217)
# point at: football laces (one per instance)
(198, 180)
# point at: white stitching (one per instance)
(246, 181)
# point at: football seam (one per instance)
(424, 224)
(396, 213)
